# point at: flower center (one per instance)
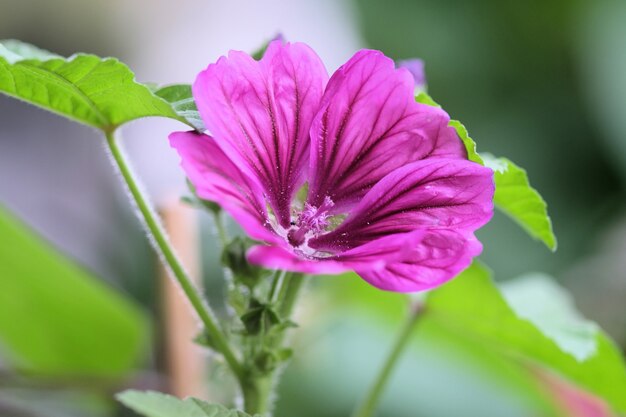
(310, 222)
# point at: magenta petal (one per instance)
(432, 193)
(260, 113)
(378, 253)
(439, 257)
(217, 179)
(368, 125)
(373, 255)
(275, 257)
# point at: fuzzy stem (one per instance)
(162, 245)
(257, 389)
(369, 404)
(257, 395)
(221, 229)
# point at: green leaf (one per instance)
(99, 92)
(179, 96)
(56, 318)
(469, 143)
(424, 98)
(471, 307)
(514, 195)
(521, 202)
(538, 299)
(16, 50)
(156, 404)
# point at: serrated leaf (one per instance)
(180, 97)
(156, 404)
(56, 319)
(472, 308)
(470, 145)
(99, 92)
(521, 202)
(424, 98)
(514, 195)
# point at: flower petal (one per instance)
(216, 178)
(276, 257)
(260, 114)
(439, 257)
(368, 125)
(373, 255)
(432, 193)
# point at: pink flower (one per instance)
(391, 194)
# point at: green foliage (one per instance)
(259, 318)
(179, 96)
(538, 299)
(470, 145)
(514, 195)
(15, 50)
(471, 333)
(99, 92)
(56, 318)
(515, 328)
(155, 404)
(234, 257)
(521, 202)
(424, 98)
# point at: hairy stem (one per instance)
(257, 395)
(161, 242)
(258, 389)
(371, 400)
(221, 229)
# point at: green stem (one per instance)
(155, 229)
(257, 393)
(369, 404)
(289, 294)
(278, 281)
(257, 389)
(221, 229)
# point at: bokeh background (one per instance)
(541, 82)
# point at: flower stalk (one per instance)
(169, 257)
(259, 384)
(370, 403)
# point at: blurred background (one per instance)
(541, 82)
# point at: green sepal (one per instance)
(259, 318)
(267, 360)
(234, 257)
